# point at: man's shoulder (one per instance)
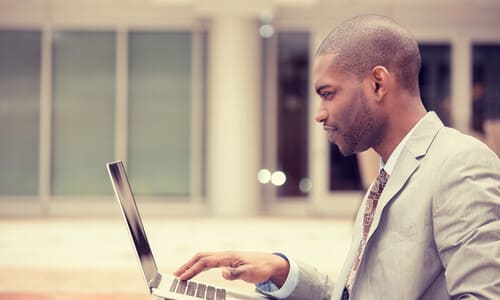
(453, 140)
(453, 145)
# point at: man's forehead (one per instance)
(324, 61)
(324, 67)
(327, 63)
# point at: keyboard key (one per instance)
(191, 289)
(200, 292)
(174, 285)
(220, 294)
(181, 288)
(210, 293)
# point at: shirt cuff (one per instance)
(286, 290)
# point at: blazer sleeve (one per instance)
(466, 220)
(311, 284)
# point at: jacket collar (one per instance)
(408, 162)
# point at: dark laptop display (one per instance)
(131, 214)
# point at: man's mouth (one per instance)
(330, 130)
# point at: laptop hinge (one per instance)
(155, 282)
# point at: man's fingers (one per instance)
(184, 268)
(247, 266)
(201, 262)
(192, 271)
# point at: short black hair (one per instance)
(363, 42)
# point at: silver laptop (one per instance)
(164, 286)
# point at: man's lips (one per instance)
(329, 128)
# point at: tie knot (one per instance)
(383, 174)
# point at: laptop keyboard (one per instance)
(198, 290)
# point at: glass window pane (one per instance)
(83, 111)
(19, 111)
(485, 120)
(160, 104)
(293, 92)
(344, 171)
(434, 79)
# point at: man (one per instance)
(429, 227)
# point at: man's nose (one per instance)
(321, 115)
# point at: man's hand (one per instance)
(252, 267)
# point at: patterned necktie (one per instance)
(370, 206)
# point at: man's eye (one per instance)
(326, 95)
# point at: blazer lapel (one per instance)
(351, 254)
(407, 163)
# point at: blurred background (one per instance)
(210, 104)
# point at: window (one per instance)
(293, 121)
(344, 171)
(434, 79)
(83, 111)
(19, 111)
(293, 86)
(160, 112)
(485, 119)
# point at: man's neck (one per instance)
(398, 127)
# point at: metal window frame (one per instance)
(46, 204)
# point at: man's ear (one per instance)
(380, 81)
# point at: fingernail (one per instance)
(235, 273)
(226, 274)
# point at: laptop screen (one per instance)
(126, 200)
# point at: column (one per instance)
(233, 116)
(461, 84)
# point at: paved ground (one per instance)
(96, 255)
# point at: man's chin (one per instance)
(347, 153)
(343, 150)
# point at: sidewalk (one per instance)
(96, 255)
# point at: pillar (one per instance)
(233, 116)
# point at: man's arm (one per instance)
(255, 267)
(252, 267)
(466, 219)
(312, 284)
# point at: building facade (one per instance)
(209, 103)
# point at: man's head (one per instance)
(360, 68)
(363, 42)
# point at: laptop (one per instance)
(163, 286)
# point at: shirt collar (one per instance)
(393, 158)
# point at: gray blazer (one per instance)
(436, 232)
